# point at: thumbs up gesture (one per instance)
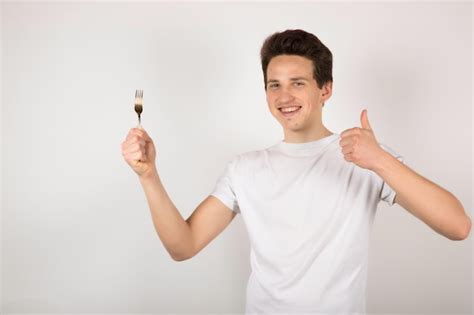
(360, 146)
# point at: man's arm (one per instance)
(427, 201)
(432, 204)
(184, 239)
(209, 219)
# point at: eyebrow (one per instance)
(291, 79)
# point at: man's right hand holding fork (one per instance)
(139, 152)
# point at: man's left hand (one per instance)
(360, 146)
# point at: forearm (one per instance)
(432, 204)
(172, 229)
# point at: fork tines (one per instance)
(139, 97)
(139, 94)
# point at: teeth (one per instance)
(290, 109)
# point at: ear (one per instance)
(326, 91)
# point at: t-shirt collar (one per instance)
(305, 148)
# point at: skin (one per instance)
(183, 239)
(290, 82)
(426, 200)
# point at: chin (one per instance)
(293, 127)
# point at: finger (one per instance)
(131, 148)
(146, 136)
(128, 144)
(348, 157)
(346, 141)
(347, 149)
(134, 139)
(131, 133)
(138, 155)
(350, 132)
(130, 152)
(135, 131)
(364, 120)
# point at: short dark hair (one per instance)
(301, 43)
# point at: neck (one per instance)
(302, 136)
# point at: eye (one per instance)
(299, 83)
(273, 85)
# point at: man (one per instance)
(308, 201)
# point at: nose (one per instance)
(285, 96)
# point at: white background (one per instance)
(77, 234)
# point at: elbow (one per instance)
(180, 257)
(464, 230)
(467, 229)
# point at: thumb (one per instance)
(146, 136)
(364, 120)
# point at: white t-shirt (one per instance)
(309, 214)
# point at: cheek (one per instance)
(271, 102)
(311, 104)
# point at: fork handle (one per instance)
(139, 126)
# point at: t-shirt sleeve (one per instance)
(387, 194)
(224, 188)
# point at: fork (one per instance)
(139, 106)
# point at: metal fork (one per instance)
(139, 105)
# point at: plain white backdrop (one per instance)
(77, 234)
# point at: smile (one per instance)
(290, 111)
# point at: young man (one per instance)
(308, 201)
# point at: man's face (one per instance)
(290, 86)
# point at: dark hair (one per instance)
(301, 43)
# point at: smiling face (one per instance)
(294, 98)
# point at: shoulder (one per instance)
(249, 161)
(250, 157)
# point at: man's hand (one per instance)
(360, 146)
(139, 152)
